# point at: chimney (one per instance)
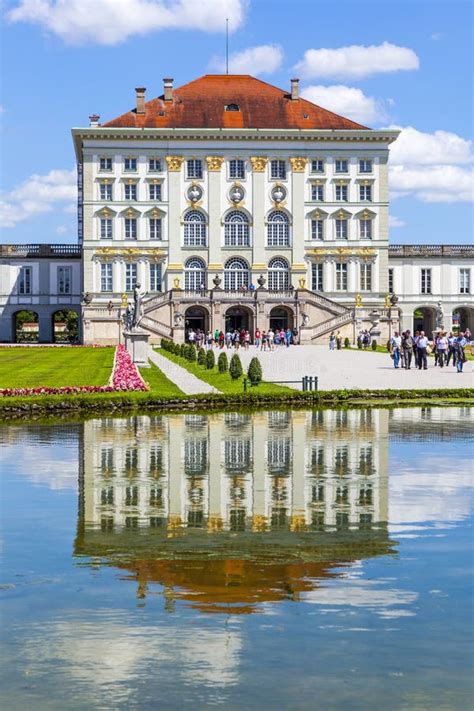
(294, 89)
(94, 120)
(140, 97)
(168, 86)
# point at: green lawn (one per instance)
(54, 367)
(159, 383)
(223, 381)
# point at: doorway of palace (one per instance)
(281, 317)
(238, 318)
(65, 324)
(424, 319)
(196, 317)
(25, 327)
(463, 317)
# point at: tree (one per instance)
(374, 345)
(235, 367)
(254, 371)
(201, 357)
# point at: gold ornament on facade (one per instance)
(215, 523)
(174, 163)
(124, 302)
(259, 523)
(259, 163)
(298, 165)
(214, 162)
(388, 303)
(358, 301)
(176, 283)
(298, 522)
(302, 282)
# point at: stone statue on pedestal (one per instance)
(137, 306)
(439, 316)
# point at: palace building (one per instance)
(236, 204)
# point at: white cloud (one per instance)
(110, 22)
(438, 148)
(264, 59)
(395, 221)
(347, 101)
(432, 167)
(38, 194)
(62, 229)
(437, 36)
(356, 61)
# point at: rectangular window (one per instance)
(317, 165)
(366, 277)
(426, 281)
(24, 280)
(105, 228)
(366, 229)
(130, 164)
(155, 191)
(464, 281)
(106, 191)
(341, 193)
(317, 283)
(341, 276)
(155, 277)
(130, 276)
(278, 170)
(106, 279)
(130, 191)
(365, 193)
(194, 168)
(64, 280)
(130, 228)
(317, 193)
(154, 165)
(317, 229)
(390, 281)
(105, 163)
(155, 228)
(365, 166)
(341, 166)
(237, 169)
(341, 229)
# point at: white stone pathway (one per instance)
(352, 369)
(187, 382)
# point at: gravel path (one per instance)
(187, 382)
(353, 369)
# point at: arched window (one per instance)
(236, 229)
(236, 274)
(194, 274)
(194, 229)
(278, 229)
(278, 275)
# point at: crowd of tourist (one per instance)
(262, 340)
(406, 349)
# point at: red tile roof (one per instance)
(202, 102)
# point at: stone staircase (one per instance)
(331, 324)
(157, 327)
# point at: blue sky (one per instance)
(404, 63)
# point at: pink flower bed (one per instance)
(125, 377)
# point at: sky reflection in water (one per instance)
(290, 560)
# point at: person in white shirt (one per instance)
(421, 346)
(441, 348)
(395, 345)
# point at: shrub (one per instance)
(201, 356)
(255, 371)
(222, 364)
(388, 346)
(192, 353)
(182, 350)
(235, 367)
(210, 360)
(374, 345)
(347, 343)
(359, 342)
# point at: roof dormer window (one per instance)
(232, 107)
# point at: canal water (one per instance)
(275, 560)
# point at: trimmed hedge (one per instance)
(222, 363)
(374, 345)
(235, 368)
(210, 360)
(254, 371)
(201, 357)
(347, 343)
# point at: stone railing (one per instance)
(331, 324)
(313, 298)
(431, 250)
(40, 250)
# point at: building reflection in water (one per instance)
(230, 510)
